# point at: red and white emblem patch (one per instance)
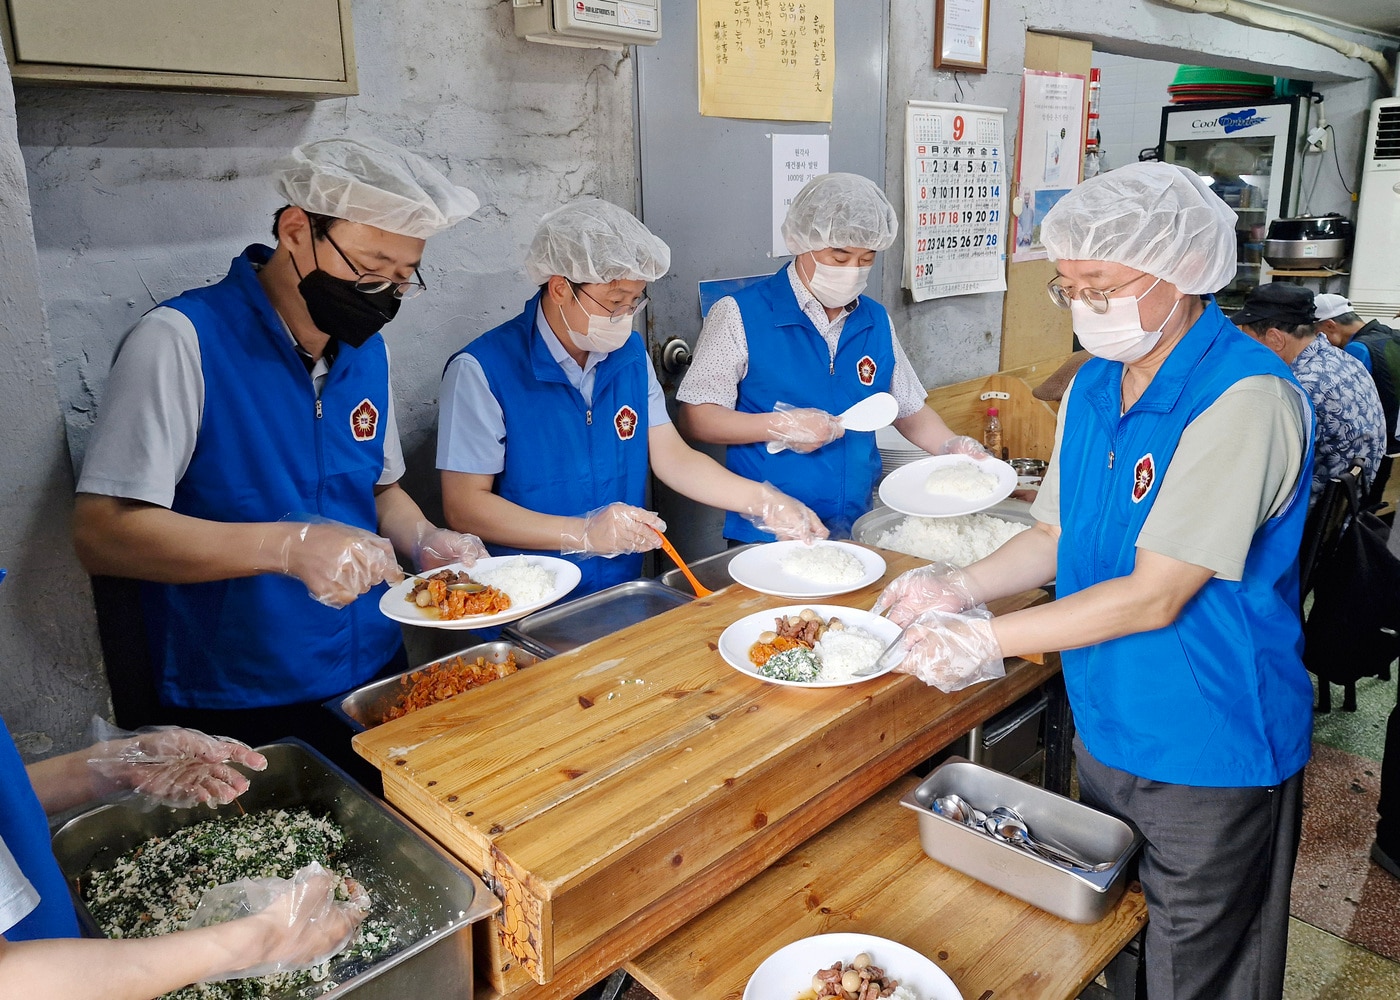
(364, 421)
(865, 370)
(1144, 475)
(625, 420)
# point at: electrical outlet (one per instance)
(1317, 140)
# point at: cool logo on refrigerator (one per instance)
(1144, 475)
(364, 421)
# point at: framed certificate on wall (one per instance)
(960, 35)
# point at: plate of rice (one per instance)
(796, 569)
(527, 582)
(948, 485)
(831, 654)
(790, 972)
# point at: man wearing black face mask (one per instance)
(245, 463)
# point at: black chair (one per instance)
(1321, 532)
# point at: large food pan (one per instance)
(711, 571)
(432, 900)
(874, 523)
(568, 626)
(1079, 896)
(368, 706)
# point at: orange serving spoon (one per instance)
(700, 589)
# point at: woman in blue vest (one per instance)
(779, 360)
(41, 953)
(1170, 519)
(550, 422)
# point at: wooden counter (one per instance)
(611, 794)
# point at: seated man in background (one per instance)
(1372, 343)
(1350, 425)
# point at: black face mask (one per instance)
(341, 310)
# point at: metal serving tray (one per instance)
(367, 706)
(431, 899)
(712, 571)
(874, 523)
(1079, 896)
(567, 626)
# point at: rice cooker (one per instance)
(1308, 241)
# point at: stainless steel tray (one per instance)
(567, 626)
(432, 900)
(874, 523)
(1079, 896)
(711, 571)
(366, 707)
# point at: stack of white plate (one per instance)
(896, 450)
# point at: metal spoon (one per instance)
(1006, 824)
(959, 810)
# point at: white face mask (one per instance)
(603, 336)
(835, 286)
(1117, 335)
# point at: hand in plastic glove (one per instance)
(435, 547)
(337, 562)
(961, 444)
(948, 651)
(788, 519)
(615, 530)
(802, 430)
(170, 766)
(935, 587)
(305, 923)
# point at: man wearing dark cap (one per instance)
(1349, 423)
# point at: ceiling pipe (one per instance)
(1295, 25)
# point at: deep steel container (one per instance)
(430, 898)
(712, 571)
(567, 626)
(1075, 895)
(874, 523)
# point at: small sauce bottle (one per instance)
(991, 434)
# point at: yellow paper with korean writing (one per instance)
(767, 59)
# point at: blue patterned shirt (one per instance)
(1350, 424)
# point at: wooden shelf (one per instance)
(1316, 273)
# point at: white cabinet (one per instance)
(302, 47)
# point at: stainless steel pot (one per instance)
(1310, 241)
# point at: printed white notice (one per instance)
(796, 160)
(1050, 154)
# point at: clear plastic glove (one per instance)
(337, 562)
(802, 430)
(784, 517)
(936, 587)
(435, 547)
(169, 766)
(948, 651)
(306, 924)
(961, 444)
(615, 530)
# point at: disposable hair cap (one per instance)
(376, 183)
(840, 210)
(593, 242)
(1154, 217)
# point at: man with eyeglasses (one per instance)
(1170, 519)
(246, 461)
(550, 422)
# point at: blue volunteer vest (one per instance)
(1219, 697)
(268, 449)
(563, 457)
(789, 361)
(25, 831)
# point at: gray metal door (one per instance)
(706, 189)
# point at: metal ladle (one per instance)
(1006, 824)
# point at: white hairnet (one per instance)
(375, 183)
(1154, 217)
(592, 242)
(840, 210)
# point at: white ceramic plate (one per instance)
(735, 641)
(566, 578)
(903, 489)
(761, 568)
(789, 970)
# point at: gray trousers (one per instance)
(1216, 870)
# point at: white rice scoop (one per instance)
(870, 414)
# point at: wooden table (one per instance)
(611, 794)
(867, 874)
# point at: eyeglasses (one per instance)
(1095, 298)
(621, 312)
(372, 284)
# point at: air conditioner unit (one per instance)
(1375, 260)
(605, 24)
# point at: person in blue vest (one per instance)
(1170, 519)
(246, 461)
(782, 358)
(41, 952)
(549, 423)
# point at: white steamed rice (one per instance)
(903, 993)
(822, 564)
(962, 480)
(847, 652)
(521, 580)
(957, 540)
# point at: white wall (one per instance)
(1132, 93)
